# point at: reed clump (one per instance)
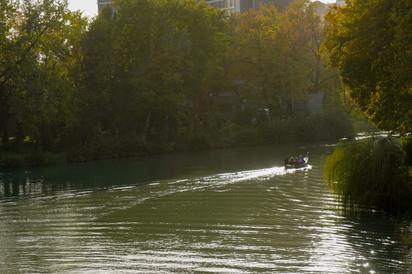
(370, 174)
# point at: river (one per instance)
(218, 211)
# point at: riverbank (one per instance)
(313, 128)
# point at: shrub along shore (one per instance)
(312, 128)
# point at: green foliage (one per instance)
(330, 125)
(370, 173)
(107, 147)
(280, 3)
(159, 75)
(37, 44)
(314, 127)
(276, 53)
(370, 43)
(143, 65)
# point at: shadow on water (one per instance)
(100, 174)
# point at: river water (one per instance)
(217, 211)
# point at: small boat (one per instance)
(297, 162)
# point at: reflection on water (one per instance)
(221, 211)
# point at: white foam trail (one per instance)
(159, 189)
(257, 174)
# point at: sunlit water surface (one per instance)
(219, 211)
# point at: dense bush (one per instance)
(216, 132)
(370, 173)
(106, 147)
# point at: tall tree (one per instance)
(148, 63)
(37, 39)
(276, 54)
(370, 42)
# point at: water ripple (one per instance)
(254, 220)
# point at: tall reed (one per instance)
(371, 173)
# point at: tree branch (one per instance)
(23, 56)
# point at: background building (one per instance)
(231, 6)
(102, 3)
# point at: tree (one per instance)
(279, 3)
(276, 55)
(254, 52)
(37, 41)
(370, 42)
(147, 64)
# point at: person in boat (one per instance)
(295, 160)
(301, 160)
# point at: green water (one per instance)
(218, 211)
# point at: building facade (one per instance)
(103, 3)
(233, 6)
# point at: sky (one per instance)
(89, 7)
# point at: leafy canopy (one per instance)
(370, 42)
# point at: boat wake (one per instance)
(257, 174)
(217, 182)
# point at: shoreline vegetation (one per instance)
(373, 174)
(315, 128)
(155, 76)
